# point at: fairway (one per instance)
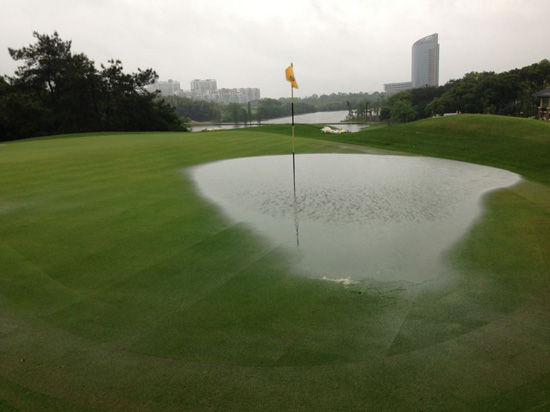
(122, 288)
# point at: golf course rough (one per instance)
(122, 288)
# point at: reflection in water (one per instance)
(387, 218)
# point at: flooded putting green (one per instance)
(357, 217)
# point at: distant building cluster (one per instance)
(424, 67)
(169, 88)
(206, 90)
(203, 89)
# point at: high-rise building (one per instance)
(424, 67)
(425, 62)
(166, 88)
(202, 89)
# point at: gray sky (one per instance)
(343, 45)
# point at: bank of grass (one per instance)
(122, 289)
(516, 144)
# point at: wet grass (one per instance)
(120, 288)
(516, 144)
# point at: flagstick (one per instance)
(293, 160)
(294, 167)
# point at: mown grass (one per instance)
(120, 288)
(516, 144)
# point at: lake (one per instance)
(325, 118)
(315, 118)
(355, 217)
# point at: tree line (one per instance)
(206, 111)
(507, 93)
(343, 101)
(57, 91)
(268, 108)
(251, 112)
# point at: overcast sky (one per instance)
(336, 46)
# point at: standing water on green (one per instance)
(357, 217)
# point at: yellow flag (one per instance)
(289, 72)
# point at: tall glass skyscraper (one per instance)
(425, 62)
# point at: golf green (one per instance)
(122, 288)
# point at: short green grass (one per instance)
(120, 288)
(519, 145)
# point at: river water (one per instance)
(354, 217)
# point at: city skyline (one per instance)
(206, 89)
(347, 46)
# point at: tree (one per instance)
(60, 81)
(21, 114)
(385, 113)
(271, 108)
(233, 113)
(62, 92)
(507, 93)
(402, 111)
(198, 110)
(124, 96)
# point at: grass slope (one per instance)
(120, 288)
(516, 144)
